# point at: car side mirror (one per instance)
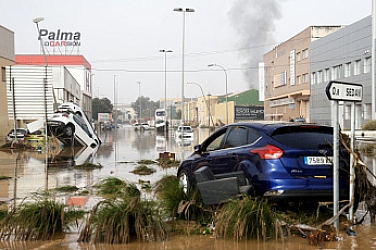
(197, 148)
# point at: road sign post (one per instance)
(341, 91)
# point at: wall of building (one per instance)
(6, 59)
(342, 56)
(287, 75)
(28, 93)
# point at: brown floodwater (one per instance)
(34, 171)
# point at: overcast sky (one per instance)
(123, 38)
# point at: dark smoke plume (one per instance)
(254, 23)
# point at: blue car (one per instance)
(281, 161)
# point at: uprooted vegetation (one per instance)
(121, 215)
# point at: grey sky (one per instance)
(123, 38)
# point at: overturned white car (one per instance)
(72, 127)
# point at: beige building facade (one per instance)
(287, 76)
(7, 58)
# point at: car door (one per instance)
(211, 148)
(228, 156)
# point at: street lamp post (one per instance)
(183, 10)
(211, 65)
(114, 108)
(165, 84)
(203, 96)
(36, 21)
(139, 100)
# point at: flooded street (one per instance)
(118, 155)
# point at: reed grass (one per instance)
(143, 170)
(119, 221)
(246, 218)
(38, 220)
(110, 186)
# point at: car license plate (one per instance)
(318, 160)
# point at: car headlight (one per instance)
(274, 193)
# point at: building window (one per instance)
(367, 65)
(3, 75)
(347, 112)
(313, 80)
(326, 75)
(305, 78)
(299, 79)
(336, 72)
(319, 77)
(357, 67)
(367, 111)
(298, 56)
(305, 53)
(347, 69)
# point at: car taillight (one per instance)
(268, 152)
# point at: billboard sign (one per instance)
(105, 117)
(249, 113)
(60, 38)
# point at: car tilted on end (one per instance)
(71, 126)
(281, 161)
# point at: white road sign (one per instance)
(343, 91)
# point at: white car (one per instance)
(20, 134)
(142, 126)
(184, 132)
(71, 126)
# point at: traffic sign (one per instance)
(344, 91)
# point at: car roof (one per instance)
(270, 126)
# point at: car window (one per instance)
(253, 136)
(237, 136)
(314, 137)
(81, 123)
(214, 141)
(215, 144)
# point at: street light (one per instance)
(165, 84)
(139, 100)
(114, 108)
(183, 10)
(211, 65)
(203, 96)
(36, 21)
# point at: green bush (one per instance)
(370, 125)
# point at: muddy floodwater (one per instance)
(33, 171)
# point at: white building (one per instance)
(68, 78)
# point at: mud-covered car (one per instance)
(71, 126)
(282, 161)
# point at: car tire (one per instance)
(184, 180)
(251, 190)
(68, 131)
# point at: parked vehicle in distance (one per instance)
(35, 139)
(142, 126)
(20, 134)
(282, 161)
(184, 132)
(72, 127)
(160, 120)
